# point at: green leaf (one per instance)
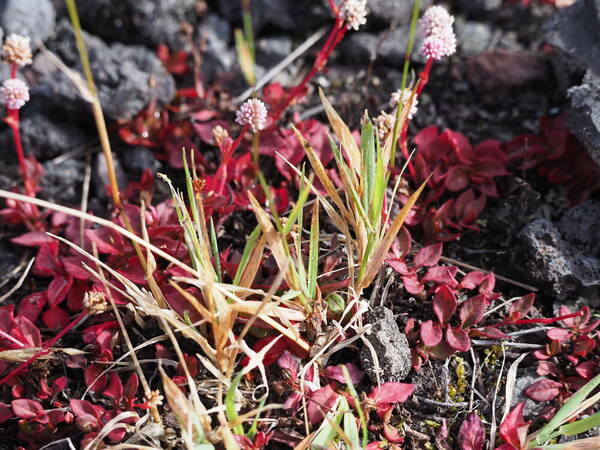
(580, 426)
(230, 410)
(313, 255)
(350, 427)
(546, 433)
(328, 432)
(369, 161)
(215, 249)
(248, 249)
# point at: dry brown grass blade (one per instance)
(343, 134)
(253, 265)
(381, 251)
(274, 239)
(321, 174)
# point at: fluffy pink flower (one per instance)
(14, 93)
(440, 40)
(254, 113)
(354, 12)
(17, 50)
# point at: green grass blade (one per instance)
(215, 250)
(248, 249)
(361, 413)
(563, 413)
(230, 410)
(305, 188)
(580, 426)
(313, 255)
(378, 189)
(369, 160)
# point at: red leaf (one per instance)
(57, 290)
(558, 334)
(587, 369)
(320, 403)
(390, 393)
(444, 304)
(458, 339)
(399, 265)
(114, 389)
(5, 412)
(27, 409)
(471, 434)
(33, 239)
(472, 279)
(472, 311)
(336, 373)
(431, 334)
(32, 305)
(514, 430)
(412, 284)
(441, 275)
(521, 307)
(55, 318)
(457, 178)
(543, 390)
(428, 256)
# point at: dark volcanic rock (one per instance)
(584, 115)
(478, 7)
(219, 56)
(391, 348)
(127, 77)
(271, 50)
(33, 18)
(61, 183)
(575, 31)
(283, 14)
(388, 46)
(554, 263)
(137, 159)
(144, 22)
(392, 11)
(45, 136)
(580, 227)
(474, 37)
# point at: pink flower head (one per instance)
(14, 93)
(354, 12)
(439, 40)
(254, 113)
(17, 50)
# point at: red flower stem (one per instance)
(546, 321)
(14, 123)
(423, 79)
(13, 70)
(45, 346)
(221, 172)
(335, 36)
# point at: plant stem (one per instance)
(407, 54)
(44, 349)
(335, 37)
(14, 122)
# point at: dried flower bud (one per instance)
(354, 13)
(254, 113)
(154, 399)
(94, 302)
(440, 40)
(402, 98)
(385, 125)
(219, 134)
(17, 50)
(14, 93)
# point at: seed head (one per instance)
(94, 302)
(154, 399)
(354, 13)
(254, 113)
(17, 50)
(14, 93)
(219, 134)
(440, 40)
(385, 125)
(402, 98)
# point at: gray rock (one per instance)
(389, 47)
(576, 31)
(392, 11)
(127, 78)
(33, 18)
(522, 383)
(137, 159)
(271, 50)
(45, 136)
(61, 183)
(554, 264)
(100, 175)
(477, 7)
(583, 117)
(284, 14)
(391, 347)
(143, 22)
(474, 37)
(579, 227)
(219, 57)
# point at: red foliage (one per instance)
(471, 435)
